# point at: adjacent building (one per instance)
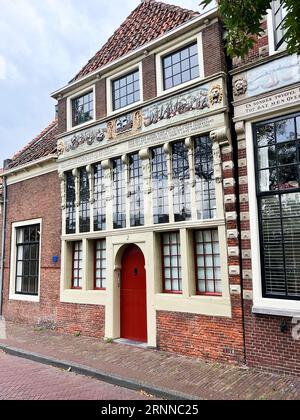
(139, 214)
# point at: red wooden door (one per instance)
(133, 296)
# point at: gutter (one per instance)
(3, 244)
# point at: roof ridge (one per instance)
(38, 138)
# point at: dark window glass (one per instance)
(136, 191)
(126, 90)
(277, 146)
(208, 264)
(77, 265)
(99, 198)
(181, 66)
(70, 204)
(83, 109)
(100, 264)
(172, 271)
(27, 261)
(279, 15)
(181, 181)
(119, 189)
(84, 201)
(160, 186)
(205, 179)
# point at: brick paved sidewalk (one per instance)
(164, 371)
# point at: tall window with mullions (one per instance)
(279, 15)
(84, 201)
(181, 181)
(160, 186)
(205, 179)
(137, 217)
(119, 189)
(99, 198)
(70, 204)
(277, 156)
(27, 261)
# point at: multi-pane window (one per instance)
(27, 261)
(279, 15)
(208, 264)
(136, 191)
(119, 189)
(277, 148)
(100, 264)
(205, 179)
(83, 109)
(181, 180)
(126, 90)
(70, 204)
(77, 265)
(99, 199)
(160, 186)
(84, 201)
(181, 66)
(172, 271)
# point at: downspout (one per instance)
(3, 244)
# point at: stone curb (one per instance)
(134, 385)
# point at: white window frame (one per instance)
(78, 94)
(261, 304)
(159, 64)
(109, 90)
(271, 34)
(12, 284)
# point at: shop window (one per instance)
(84, 201)
(208, 264)
(119, 188)
(172, 271)
(28, 260)
(136, 191)
(181, 181)
(277, 149)
(160, 186)
(99, 199)
(70, 204)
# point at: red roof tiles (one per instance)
(150, 20)
(43, 145)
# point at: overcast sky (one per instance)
(43, 44)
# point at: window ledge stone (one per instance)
(261, 310)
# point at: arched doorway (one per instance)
(133, 295)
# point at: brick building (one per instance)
(129, 216)
(266, 87)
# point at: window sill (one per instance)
(261, 310)
(24, 298)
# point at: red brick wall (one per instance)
(101, 110)
(149, 77)
(267, 347)
(213, 49)
(210, 338)
(62, 115)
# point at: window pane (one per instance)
(83, 109)
(84, 201)
(136, 191)
(99, 199)
(126, 90)
(181, 178)
(172, 262)
(100, 257)
(160, 191)
(119, 190)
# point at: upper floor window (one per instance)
(181, 180)
(99, 198)
(84, 201)
(277, 148)
(136, 191)
(126, 90)
(83, 109)
(181, 66)
(119, 190)
(28, 257)
(70, 204)
(160, 186)
(279, 14)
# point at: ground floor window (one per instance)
(27, 262)
(277, 148)
(100, 264)
(172, 270)
(208, 264)
(77, 265)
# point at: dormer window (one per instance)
(83, 109)
(181, 66)
(126, 90)
(279, 15)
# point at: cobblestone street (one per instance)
(21, 379)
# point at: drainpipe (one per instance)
(3, 244)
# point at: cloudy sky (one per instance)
(43, 44)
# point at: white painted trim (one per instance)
(258, 300)
(159, 68)
(32, 171)
(161, 40)
(117, 75)
(75, 95)
(12, 281)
